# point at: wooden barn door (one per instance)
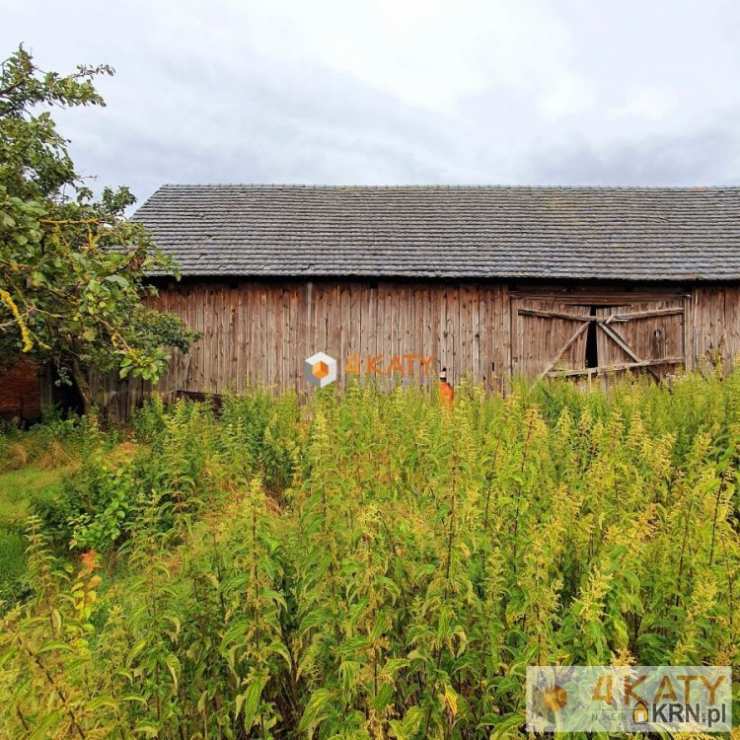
(647, 336)
(547, 335)
(560, 338)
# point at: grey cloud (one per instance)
(702, 158)
(224, 92)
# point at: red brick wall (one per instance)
(20, 392)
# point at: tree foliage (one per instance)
(73, 283)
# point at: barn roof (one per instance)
(679, 234)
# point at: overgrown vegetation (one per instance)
(371, 565)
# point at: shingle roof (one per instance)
(454, 232)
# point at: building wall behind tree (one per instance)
(20, 392)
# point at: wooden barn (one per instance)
(396, 283)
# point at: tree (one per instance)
(73, 269)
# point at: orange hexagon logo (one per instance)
(320, 369)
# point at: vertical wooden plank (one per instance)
(397, 329)
(305, 333)
(466, 334)
(260, 376)
(207, 329)
(688, 320)
(375, 341)
(365, 329)
(319, 325)
(477, 371)
(381, 343)
(331, 327)
(428, 349)
(232, 339)
(249, 307)
(355, 313)
(491, 337)
(453, 334)
(436, 308)
(182, 376)
(517, 359)
(277, 340)
(284, 337)
(214, 324)
(240, 323)
(193, 306)
(220, 324)
(252, 333)
(732, 324)
(441, 298)
(417, 344)
(198, 298)
(391, 311)
(174, 376)
(203, 320)
(294, 356)
(484, 342)
(696, 327)
(229, 356)
(344, 319)
(266, 315)
(408, 334)
(310, 311)
(505, 361)
(334, 327)
(320, 343)
(270, 337)
(213, 337)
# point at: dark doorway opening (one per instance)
(592, 350)
(66, 396)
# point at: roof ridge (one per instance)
(451, 186)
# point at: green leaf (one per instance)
(148, 730)
(408, 727)
(173, 665)
(252, 698)
(316, 710)
(135, 650)
(118, 280)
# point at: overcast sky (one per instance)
(572, 92)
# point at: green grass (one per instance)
(19, 490)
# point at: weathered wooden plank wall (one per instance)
(715, 331)
(20, 395)
(258, 333)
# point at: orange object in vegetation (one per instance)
(446, 391)
(89, 560)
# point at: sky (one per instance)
(395, 92)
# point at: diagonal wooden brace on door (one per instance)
(606, 326)
(577, 333)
